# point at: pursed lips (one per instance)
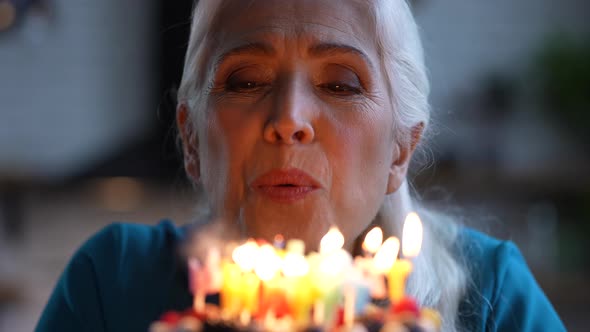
(285, 185)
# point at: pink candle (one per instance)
(199, 282)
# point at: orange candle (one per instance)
(273, 298)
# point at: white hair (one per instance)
(440, 277)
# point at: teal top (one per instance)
(127, 275)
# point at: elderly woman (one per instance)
(295, 116)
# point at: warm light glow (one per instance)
(387, 254)
(412, 235)
(332, 241)
(373, 240)
(245, 255)
(336, 263)
(295, 246)
(268, 263)
(295, 265)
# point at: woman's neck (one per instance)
(390, 217)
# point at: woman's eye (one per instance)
(339, 80)
(341, 88)
(248, 80)
(244, 86)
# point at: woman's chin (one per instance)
(308, 220)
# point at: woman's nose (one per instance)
(290, 121)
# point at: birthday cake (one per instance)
(276, 287)
(405, 318)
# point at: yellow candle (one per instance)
(297, 281)
(382, 265)
(397, 279)
(411, 245)
(230, 289)
(250, 291)
(300, 298)
(248, 287)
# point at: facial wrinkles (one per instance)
(212, 151)
(296, 18)
(287, 35)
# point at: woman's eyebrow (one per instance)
(316, 50)
(329, 49)
(253, 48)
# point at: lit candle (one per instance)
(298, 285)
(332, 241)
(349, 305)
(373, 240)
(230, 289)
(245, 256)
(386, 256)
(382, 264)
(204, 278)
(197, 284)
(371, 245)
(213, 268)
(318, 313)
(330, 267)
(412, 235)
(268, 263)
(411, 245)
(273, 299)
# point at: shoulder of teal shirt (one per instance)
(503, 294)
(121, 279)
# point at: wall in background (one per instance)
(76, 85)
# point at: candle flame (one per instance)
(335, 263)
(412, 235)
(296, 246)
(332, 241)
(387, 255)
(245, 255)
(373, 240)
(295, 265)
(268, 263)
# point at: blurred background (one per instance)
(87, 134)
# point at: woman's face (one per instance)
(296, 134)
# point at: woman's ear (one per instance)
(190, 142)
(403, 152)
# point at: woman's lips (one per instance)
(285, 185)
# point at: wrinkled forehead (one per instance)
(340, 21)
